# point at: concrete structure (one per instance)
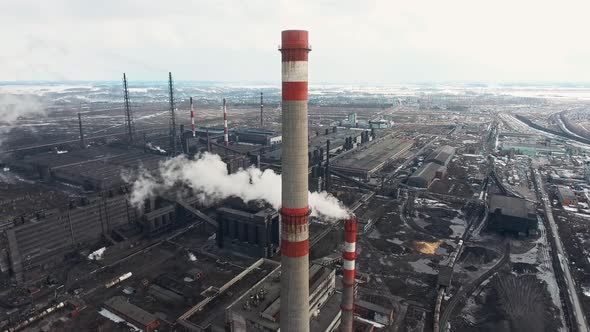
(253, 234)
(132, 313)
(511, 214)
(295, 211)
(225, 130)
(348, 281)
(426, 174)
(260, 308)
(566, 196)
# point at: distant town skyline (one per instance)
(353, 42)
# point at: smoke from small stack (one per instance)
(208, 177)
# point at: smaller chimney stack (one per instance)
(192, 118)
(82, 144)
(348, 271)
(225, 130)
(261, 111)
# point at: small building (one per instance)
(566, 196)
(511, 215)
(132, 313)
(426, 174)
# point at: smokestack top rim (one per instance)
(293, 39)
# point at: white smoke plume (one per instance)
(13, 107)
(208, 177)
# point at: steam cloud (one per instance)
(13, 107)
(208, 177)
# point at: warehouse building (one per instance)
(426, 174)
(511, 215)
(442, 155)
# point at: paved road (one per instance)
(561, 254)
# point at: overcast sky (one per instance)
(359, 41)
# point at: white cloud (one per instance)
(367, 41)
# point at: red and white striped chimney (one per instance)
(225, 130)
(192, 118)
(294, 315)
(348, 271)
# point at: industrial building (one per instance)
(209, 313)
(97, 168)
(253, 234)
(511, 215)
(566, 196)
(434, 167)
(426, 174)
(131, 313)
(366, 160)
(531, 149)
(257, 136)
(442, 155)
(259, 308)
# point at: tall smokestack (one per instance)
(192, 118)
(261, 111)
(295, 209)
(225, 130)
(348, 258)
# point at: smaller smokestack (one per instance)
(261, 111)
(225, 130)
(208, 141)
(348, 271)
(192, 118)
(327, 176)
(82, 144)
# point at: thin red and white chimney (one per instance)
(225, 130)
(192, 118)
(348, 275)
